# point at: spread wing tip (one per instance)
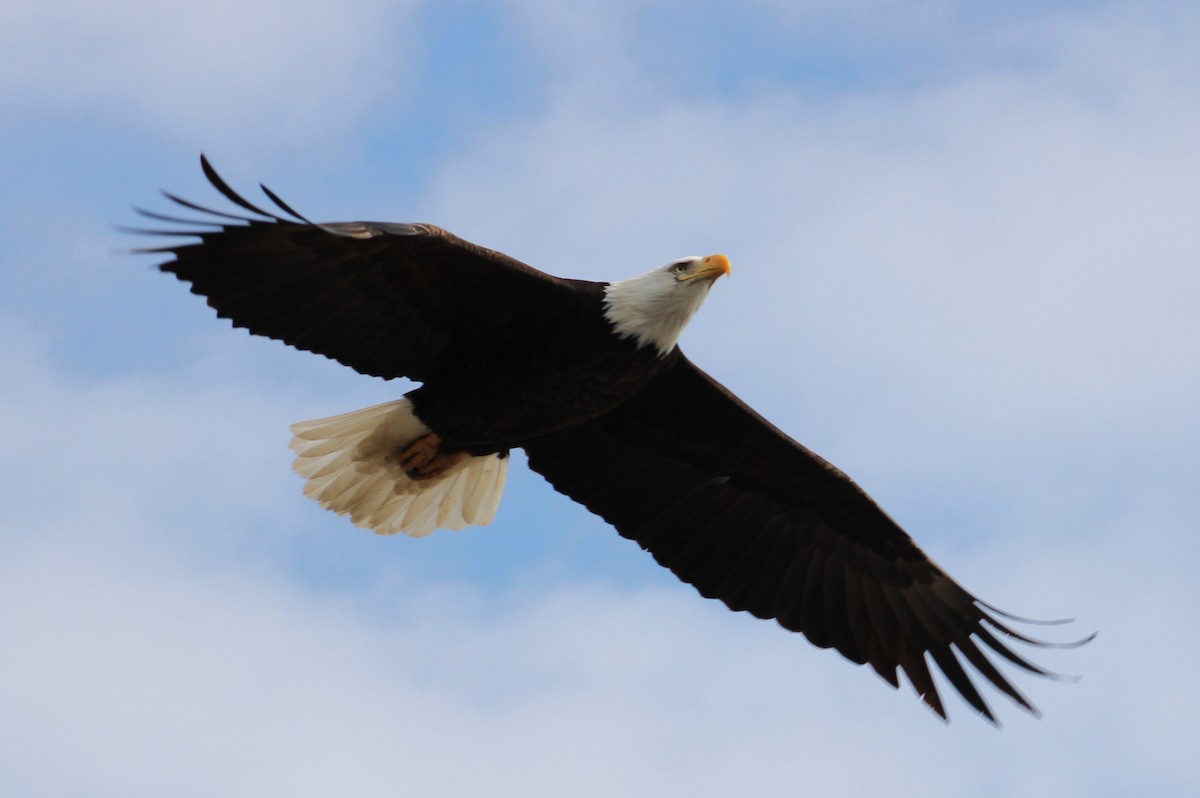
(283, 206)
(211, 220)
(946, 655)
(1020, 618)
(220, 185)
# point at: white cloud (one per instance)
(113, 448)
(150, 678)
(205, 74)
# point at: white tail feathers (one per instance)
(351, 466)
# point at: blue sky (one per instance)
(964, 244)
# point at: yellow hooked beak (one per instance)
(714, 266)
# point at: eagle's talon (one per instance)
(424, 458)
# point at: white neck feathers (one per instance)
(652, 308)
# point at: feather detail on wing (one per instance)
(748, 516)
(387, 299)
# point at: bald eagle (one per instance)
(589, 380)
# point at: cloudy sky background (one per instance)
(964, 239)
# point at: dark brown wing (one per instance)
(733, 506)
(385, 299)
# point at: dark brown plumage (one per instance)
(644, 439)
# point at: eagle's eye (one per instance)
(679, 268)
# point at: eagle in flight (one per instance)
(587, 378)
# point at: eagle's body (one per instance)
(587, 378)
(482, 398)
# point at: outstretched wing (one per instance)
(745, 514)
(385, 299)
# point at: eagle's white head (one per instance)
(653, 308)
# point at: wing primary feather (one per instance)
(202, 209)
(1033, 641)
(957, 629)
(283, 206)
(958, 677)
(884, 667)
(912, 661)
(1018, 618)
(146, 231)
(913, 641)
(237, 199)
(943, 630)
(162, 217)
(910, 626)
(1004, 651)
(153, 250)
(993, 675)
(961, 629)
